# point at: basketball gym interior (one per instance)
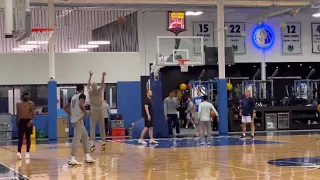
(220, 47)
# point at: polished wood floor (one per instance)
(181, 159)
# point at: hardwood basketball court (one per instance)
(271, 156)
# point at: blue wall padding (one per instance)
(129, 101)
(137, 129)
(223, 106)
(160, 125)
(52, 109)
(40, 122)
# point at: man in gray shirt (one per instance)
(170, 113)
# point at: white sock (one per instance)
(197, 133)
(88, 156)
(244, 134)
(72, 158)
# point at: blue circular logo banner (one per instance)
(263, 37)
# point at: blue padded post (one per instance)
(159, 123)
(52, 110)
(223, 106)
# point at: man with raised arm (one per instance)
(96, 97)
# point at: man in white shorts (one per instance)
(248, 114)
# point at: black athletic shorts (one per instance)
(148, 123)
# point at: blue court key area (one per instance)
(190, 142)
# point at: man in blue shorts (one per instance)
(196, 101)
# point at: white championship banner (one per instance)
(291, 38)
(235, 36)
(205, 30)
(315, 33)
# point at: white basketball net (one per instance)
(41, 38)
(183, 65)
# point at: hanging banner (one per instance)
(235, 36)
(315, 33)
(205, 30)
(291, 38)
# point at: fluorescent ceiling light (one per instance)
(99, 42)
(189, 13)
(22, 49)
(192, 13)
(37, 42)
(78, 50)
(29, 46)
(197, 13)
(88, 46)
(316, 15)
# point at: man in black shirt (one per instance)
(248, 114)
(148, 120)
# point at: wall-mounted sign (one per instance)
(176, 21)
(291, 38)
(235, 38)
(205, 30)
(315, 33)
(263, 37)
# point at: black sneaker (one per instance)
(242, 137)
(177, 135)
(252, 137)
(92, 148)
(170, 137)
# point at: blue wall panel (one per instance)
(129, 101)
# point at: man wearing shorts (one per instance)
(248, 114)
(148, 120)
(196, 101)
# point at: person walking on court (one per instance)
(170, 113)
(95, 96)
(190, 113)
(196, 101)
(25, 118)
(106, 111)
(77, 111)
(248, 114)
(148, 120)
(204, 114)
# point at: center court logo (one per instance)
(263, 37)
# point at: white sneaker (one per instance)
(152, 141)
(141, 141)
(27, 156)
(73, 162)
(89, 159)
(19, 156)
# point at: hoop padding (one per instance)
(183, 65)
(41, 36)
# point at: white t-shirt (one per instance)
(105, 109)
(76, 112)
(204, 111)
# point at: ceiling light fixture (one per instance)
(78, 50)
(98, 42)
(37, 42)
(22, 49)
(29, 46)
(88, 46)
(193, 13)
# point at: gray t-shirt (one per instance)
(76, 112)
(170, 106)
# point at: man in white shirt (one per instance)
(205, 109)
(106, 111)
(95, 96)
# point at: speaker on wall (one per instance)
(211, 55)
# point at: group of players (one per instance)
(200, 113)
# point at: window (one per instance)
(111, 95)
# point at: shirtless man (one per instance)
(25, 117)
(95, 96)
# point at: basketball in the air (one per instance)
(318, 107)
(121, 20)
(212, 114)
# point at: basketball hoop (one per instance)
(183, 65)
(40, 36)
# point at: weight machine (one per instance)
(307, 88)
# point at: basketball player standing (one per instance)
(95, 96)
(205, 109)
(25, 117)
(248, 114)
(170, 113)
(196, 101)
(77, 111)
(148, 120)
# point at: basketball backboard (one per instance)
(172, 48)
(21, 19)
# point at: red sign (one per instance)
(176, 22)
